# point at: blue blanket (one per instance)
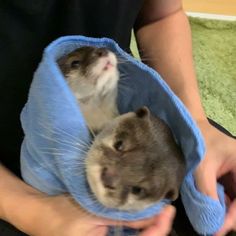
(56, 137)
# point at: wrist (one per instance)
(191, 99)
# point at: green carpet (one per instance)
(214, 48)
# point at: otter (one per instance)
(92, 74)
(135, 162)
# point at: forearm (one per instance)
(18, 202)
(166, 46)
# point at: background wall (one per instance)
(223, 7)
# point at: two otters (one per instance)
(134, 160)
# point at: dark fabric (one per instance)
(221, 128)
(26, 27)
(8, 230)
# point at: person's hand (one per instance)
(219, 164)
(61, 216)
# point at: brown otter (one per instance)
(92, 75)
(135, 162)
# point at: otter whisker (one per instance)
(60, 131)
(119, 228)
(124, 87)
(124, 78)
(64, 150)
(121, 59)
(92, 132)
(64, 143)
(57, 130)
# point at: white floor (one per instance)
(211, 16)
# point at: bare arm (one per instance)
(164, 39)
(16, 201)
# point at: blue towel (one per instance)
(56, 137)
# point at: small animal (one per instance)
(134, 162)
(93, 75)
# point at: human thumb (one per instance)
(206, 179)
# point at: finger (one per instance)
(166, 215)
(230, 221)
(227, 201)
(162, 225)
(206, 180)
(136, 224)
(140, 224)
(154, 231)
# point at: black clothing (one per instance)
(26, 28)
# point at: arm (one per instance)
(16, 201)
(40, 215)
(164, 39)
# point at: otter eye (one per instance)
(136, 190)
(119, 146)
(75, 64)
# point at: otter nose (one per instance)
(102, 52)
(108, 178)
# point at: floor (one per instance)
(222, 7)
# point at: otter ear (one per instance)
(172, 194)
(61, 63)
(143, 112)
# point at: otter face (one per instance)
(134, 162)
(90, 70)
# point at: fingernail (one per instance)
(172, 212)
